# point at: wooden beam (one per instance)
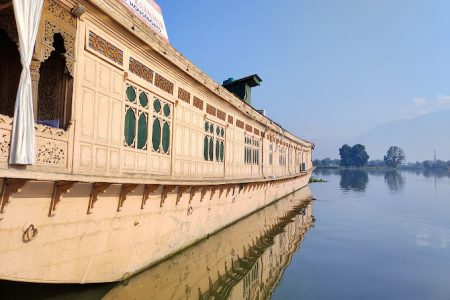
(124, 191)
(97, 188)
(166, 190)
(181, 190)
(148, 189)
(10, 186)
(59, 188)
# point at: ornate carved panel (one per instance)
(141, 70)
(184, 95)
(221, 115)
(51, 153)
(105, 48)
(57, 19)
(164, 84)
(248, 128)
(211, 110)
(198, 103)
(4, 145)
(240, 124)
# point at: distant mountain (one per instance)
(418, 137)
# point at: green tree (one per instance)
(394, 157)
(359, 156)
(346, 155)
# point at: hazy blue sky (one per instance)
(331, 69)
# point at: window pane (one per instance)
(130, 126)
(157, 105)
(131, 94)
(143, 99)
(166, 137)
(222, 146)
(211, 149)
(205, 148)
(206, 126)
(142, 131)
(156, 134)
(166, 110)
(217, 150)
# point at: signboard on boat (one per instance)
(149, 12)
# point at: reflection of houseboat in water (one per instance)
(115, 150)
(244, 261)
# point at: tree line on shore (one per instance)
(356, 156)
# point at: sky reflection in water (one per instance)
(378, 235)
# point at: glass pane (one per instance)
(166, 110)
(205, 148)
(156, 134)
(217, 150)
(206, 126)
(222, 132)
(211, 128)
(218, 131)
(222, 146)
(211, 149)
(142, 131)
(143, 99)
(166, 137)
(130, 126)
(157, 105)
(131, 93)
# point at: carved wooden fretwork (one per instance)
(124, 191)
(50, 131)
(51, 153)
(5, 143)
(181, 190)
(141, 70)
(148, 189)
(69, 44)
(198, 103)
(97, 188)
(105, 48)
(184, 95)
(57, 19)
(163, 83)
(10, 186)
(59, 188)
(166, 190)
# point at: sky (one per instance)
(331, 69)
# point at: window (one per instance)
(282, 157)
(10, 70)
(162, 115)
(270, 154)
(214, 142)
(55, 88)
(251, 150)
(136, 118)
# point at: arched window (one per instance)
(55, 88)
(10, 69)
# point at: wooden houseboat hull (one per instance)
(58, 232)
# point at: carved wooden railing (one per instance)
(52, 144)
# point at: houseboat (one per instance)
(115, 150)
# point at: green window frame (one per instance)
(136, 117)
(162, 111)
(214, 142)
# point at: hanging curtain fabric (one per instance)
(27, 14)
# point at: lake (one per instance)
(360, 235)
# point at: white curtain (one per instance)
(27, 14)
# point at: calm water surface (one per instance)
(378, 235)
(367, 235)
